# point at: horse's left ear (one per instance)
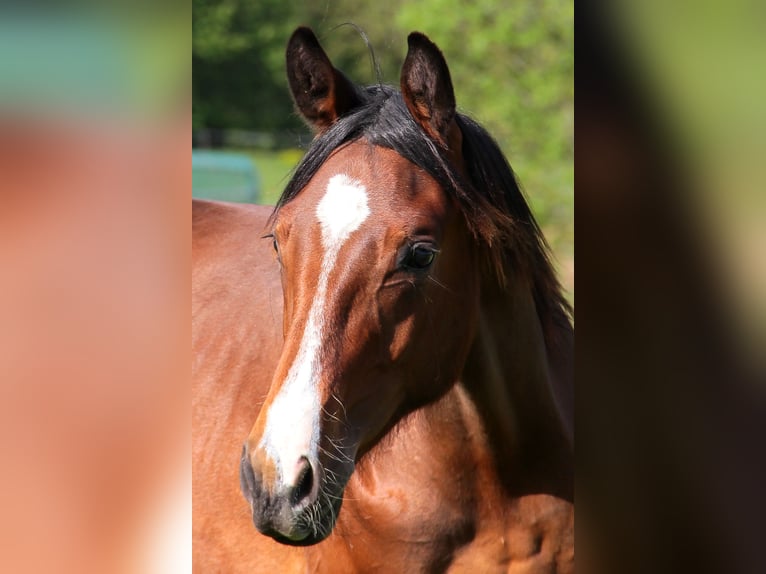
(427, 90)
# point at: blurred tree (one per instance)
(238, 64)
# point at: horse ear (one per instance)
(427, 90)
(321, 93)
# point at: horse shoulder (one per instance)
(526, 532)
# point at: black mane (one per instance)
(488, 195)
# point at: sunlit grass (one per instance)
(274, 169)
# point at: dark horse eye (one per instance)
(274, 243)
(419, 257)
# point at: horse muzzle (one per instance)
(288, 509)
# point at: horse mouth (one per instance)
(309, 526)
(310, 540)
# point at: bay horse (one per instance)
(390, 343)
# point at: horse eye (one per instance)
(274, 244)
(419, 257)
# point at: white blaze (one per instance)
(292, 424)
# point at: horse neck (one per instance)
(521, 389)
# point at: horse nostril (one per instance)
(303, 484)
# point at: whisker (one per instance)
(432, 279)
(342, 406)
(344, 459)
(339, 446)
(331, 416)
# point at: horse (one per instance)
(386, 356)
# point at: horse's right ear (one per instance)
(321, 93)
(427, 91)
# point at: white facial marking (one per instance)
(292, 424)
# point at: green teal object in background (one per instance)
(224, 176)
(98, 67)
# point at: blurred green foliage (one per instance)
(512, 65)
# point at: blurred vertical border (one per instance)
(95, 181)
(669, 218)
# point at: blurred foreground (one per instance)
(94, 294)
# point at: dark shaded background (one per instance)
(670, 415)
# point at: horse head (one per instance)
(380, 281)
